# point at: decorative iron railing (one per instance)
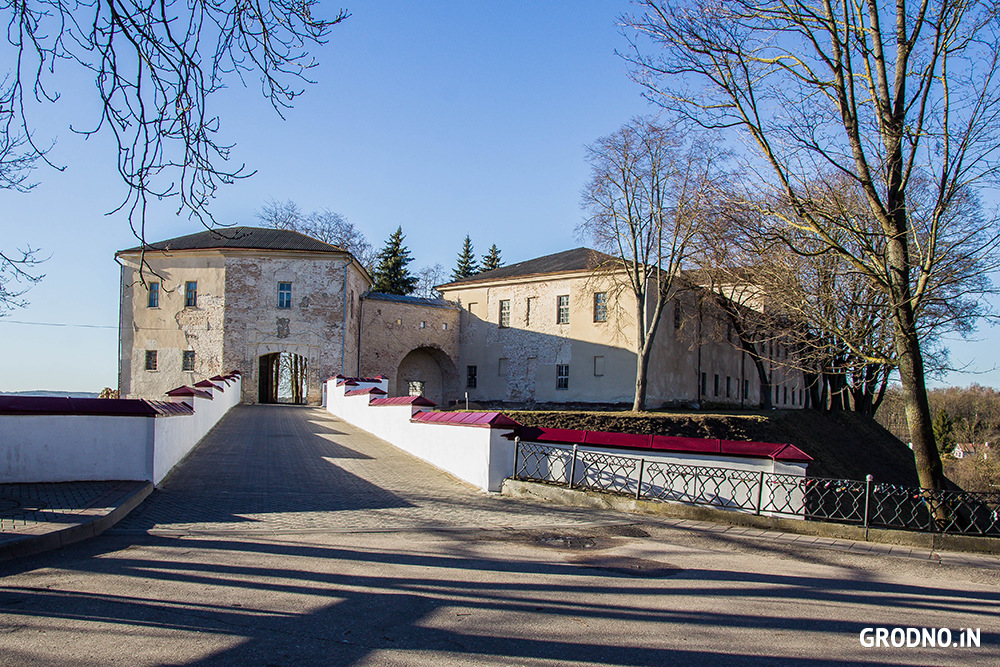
(863, 503)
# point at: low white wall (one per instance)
(477, 454)
(71, 448)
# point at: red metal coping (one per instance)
(362, 392)
(108, 407)
(205, 384)
(403, 400)
(488, 419)
(771, 450)
(190, 391)
(343, 379)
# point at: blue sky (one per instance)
(448, 118)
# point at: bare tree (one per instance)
(155, 64)
(885, 94)
(324, 225)
(427, 278)
(17, 277)
(647, 192)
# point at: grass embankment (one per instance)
(843, 444)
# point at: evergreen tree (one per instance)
(391, 275)
(943, 428)
(492, 259)
(466, 262)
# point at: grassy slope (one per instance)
(843, 445)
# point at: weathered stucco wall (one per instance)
(411, 340)
(171, 327)
(519, 362)
(313, 327)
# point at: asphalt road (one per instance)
(290, 538)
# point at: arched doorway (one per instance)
(428, 372)
(282, 378)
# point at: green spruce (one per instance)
(492, 259)
(391, 275)
(466, 262)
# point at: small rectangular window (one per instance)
(600, 306)
(786, 395)
(704, 384)
(470, 377)
(415, 387)
(150, 360)
(284, 295)
(598, 366)
(444, 326)
(502, 367)
(188, 361)
(716, 384)
(154, 295)
(562, 309)
(423, 324)
(729, 386)
(191, 294)
(527, 310)
(562, 375)
(504, 313)
(746, 389)
(677, 317)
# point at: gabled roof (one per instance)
(568, 261)
(486, 419)
(417, 300)
(246, 238)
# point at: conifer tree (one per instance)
(466, 262)
(492, 259)
(391, 275)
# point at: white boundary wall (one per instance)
(482, 455)
(73, 448)
(478, 454)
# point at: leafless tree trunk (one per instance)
(886, 95)
(648, 190)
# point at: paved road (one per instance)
(290, 538)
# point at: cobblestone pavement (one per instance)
(268, 468)
(24, 505)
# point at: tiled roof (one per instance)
(769, 450)
(403, 400)
(417, 300)
(578, 259)
(249, 238)
(110, 407)
(488, 419)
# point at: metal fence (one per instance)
(863, 503)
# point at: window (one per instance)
(562, 375)
(729, 386)
(470, 377)
(677, 317)
(504, 313)
(600, 306)
(598, 366)
(423, 324)
(746, 389)
(562, 309)
(502, 367)
(191, 294)
(444, 327)
(415, 388)
(187, 364)
(150, 360)
(527, 311)
(284, 295)
(154, 295)
(716, 384)
(786, 395)
(704, 384)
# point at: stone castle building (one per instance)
(277, 305)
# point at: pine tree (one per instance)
(466, 262)
(391, 275)
(492, 259)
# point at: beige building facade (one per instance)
(214, 302)
(554, 329)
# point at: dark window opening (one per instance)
(562, 376)
(187, 363)
(154, 295)
(191, 294)
(150, 360)
(470, 377)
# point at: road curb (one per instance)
(92, 521)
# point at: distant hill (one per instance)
(46, 392)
